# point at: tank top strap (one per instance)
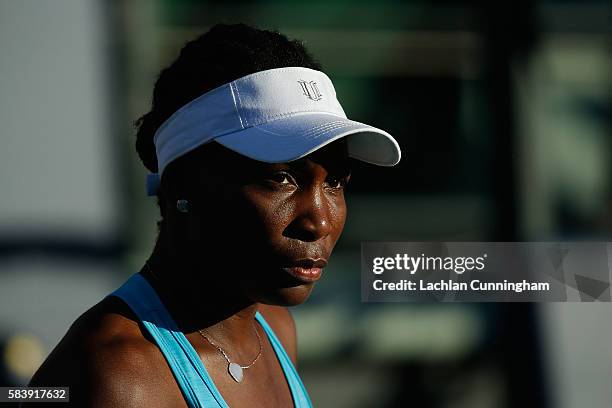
(298, 391)
(194, 381)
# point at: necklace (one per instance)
(235, 370)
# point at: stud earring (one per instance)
(182, 206)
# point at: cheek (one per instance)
(263, 219)
(338, 213)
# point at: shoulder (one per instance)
(106, 361)
(281, 321)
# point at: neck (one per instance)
(198, 295)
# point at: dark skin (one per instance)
(214, 268)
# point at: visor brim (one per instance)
(293, 137)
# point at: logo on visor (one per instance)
(310, 89)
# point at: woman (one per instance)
(251, 154)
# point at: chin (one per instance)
(286, 296)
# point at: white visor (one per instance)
(277, 115)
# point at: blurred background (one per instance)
(503, 112)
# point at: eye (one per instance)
(338, 182)
(283, 178)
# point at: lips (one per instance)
(306, 270)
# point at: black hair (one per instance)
(224, 53)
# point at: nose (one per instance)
(313, 218)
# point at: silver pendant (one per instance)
(235, 371)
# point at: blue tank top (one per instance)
(194, 381)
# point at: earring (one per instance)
(182, 206)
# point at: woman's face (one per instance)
(269, 229)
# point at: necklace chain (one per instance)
(225, 354)
(212, 342)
